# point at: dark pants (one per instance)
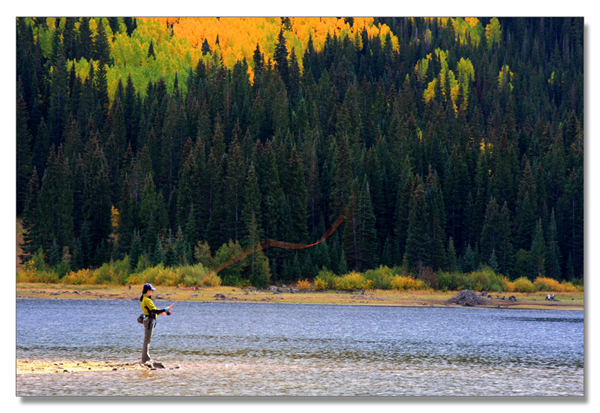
(148, 327)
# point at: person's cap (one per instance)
(148, 287)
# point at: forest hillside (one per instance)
(455, 143)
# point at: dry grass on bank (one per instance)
(535, 300)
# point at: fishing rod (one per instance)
(268, 243)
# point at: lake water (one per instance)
(242, 349)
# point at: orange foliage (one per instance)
(238, 36)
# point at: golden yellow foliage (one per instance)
(238, 36)
(505, 79)
(303, 285)
(114, 217)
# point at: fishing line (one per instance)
(268, 243)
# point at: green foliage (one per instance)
(381, 278)
(325, 280)
(485, 279)
(231, 275)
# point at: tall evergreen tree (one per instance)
(97, 203)
(553, 257)
(297, 196)
(55, 204)
(24, 155)
(101, 44)
(538, 252)
(31, 231)
(281, 58)
(437, 216)
(418, 242)
(456, 186)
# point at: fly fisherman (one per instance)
(150, 312)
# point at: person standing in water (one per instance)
(150, 312)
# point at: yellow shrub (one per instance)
(523, 285)
(80, 277)
(353, 281)
(167, 276)
(303, 285)
(568, 287)
(28, 274)
(547, 284)
(403, 283)
(510, 286)
(47, 277)
(211, 280)
(134, 279)
(320, 284)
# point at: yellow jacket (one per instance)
(148, 307)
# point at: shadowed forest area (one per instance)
(455, 143)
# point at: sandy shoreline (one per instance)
(27, 366)
(565, 301)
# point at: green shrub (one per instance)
(487, 279)
(454, 281)
(325, 280)
(381, 278)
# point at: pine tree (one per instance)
(127, 219)
(102, 90)
(452, 265)
(525, 223)
(294, 80)
(437, 214)
(158, 255)
(148, 214)
(340, 195)
(259, 272)
(402, 212)
(504, 249)
(553, 252)
(467, 262)
(386, 258)
(41, 147)
(490, 234)
(85, 39)
(456, 186)
(135, 251)
(97, 203)
(281, 58)
(251, 211)
(418, 242)
(55, 204)
(31, 236)
(538, 252)
(493, 261)
(151, 50)
(101, 45)
(205, 47)
(235, 189)
(24, 156)
(59, 97)
(504, 172)
(360, 236)
(297, 196)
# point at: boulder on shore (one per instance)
(468, 298)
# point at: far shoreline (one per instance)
(536, 300)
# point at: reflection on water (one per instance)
(275, 349)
